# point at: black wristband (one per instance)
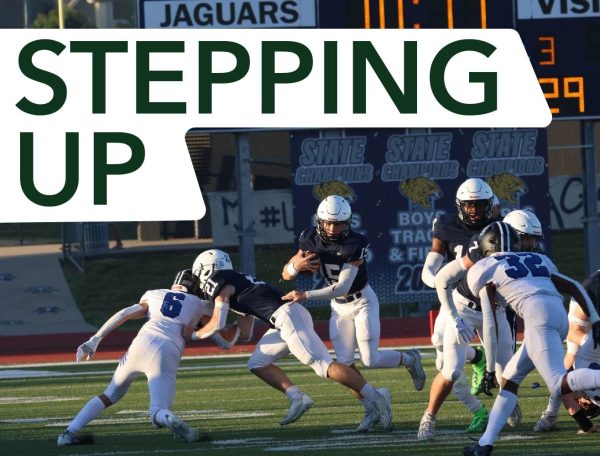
(582, 420)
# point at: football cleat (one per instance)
(515, 417)
(546, 423)
(479, 421)
(477, 450)
(591, 430)
(426, 427)
(181, 429)
(383, 405)
(370, 419)
(415, 369)
(71, 438)
(478, 373)
(297, 409)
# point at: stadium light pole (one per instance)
(61, 15)
(591, 219)
(245, 211)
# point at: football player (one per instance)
(580, 350)
(339, 255)
(530, 283)
(451, 238)
(291, 331)
(156, 351)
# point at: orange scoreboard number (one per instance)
(565, 54)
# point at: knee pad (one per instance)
(255, 363)
(452, 374)
(437, 339)
(321, 367)
(439, 360)
(369, 360)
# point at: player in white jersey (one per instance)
(580, 354)
(156, 351)
(530, 283)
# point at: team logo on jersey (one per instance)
(334, 187)
(508, 187)
(421, 191)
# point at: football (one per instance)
(229, 332)
(315, 263)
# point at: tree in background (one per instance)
(73, 19)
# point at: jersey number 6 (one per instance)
(171, 306)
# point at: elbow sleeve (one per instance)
(341, 288)
(432, 265)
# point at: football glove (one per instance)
(596, 333)
(464, 334)
(489, 383)
(88, 348)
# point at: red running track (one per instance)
(61, 347)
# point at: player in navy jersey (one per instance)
(452, 236)
(291, 331)
(339, 255)
(530, 283)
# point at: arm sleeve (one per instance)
(118, 319)
(446, 276)
(576, 290)
(432, 265)
(340, 288)
(220, 319)
(490, 339)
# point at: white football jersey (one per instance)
(516, 276)
(170, 311)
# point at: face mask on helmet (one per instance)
(529, 228)
(498, 237)
(474, 200)
(187, 279)
(333, 218)
(208, 262)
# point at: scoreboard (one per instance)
(563, 43)
(561, 37)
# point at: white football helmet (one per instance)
(527, 225)
(336, 209)
(208, 262)
(475, 192)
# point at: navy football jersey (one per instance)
(333, 256)
(251, 296)
(455, 234)
(460, 239)
(474, 254)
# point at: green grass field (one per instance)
(240, 414)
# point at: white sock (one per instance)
(583, 379)
(386, 358)
(503, 406)
(470, 353)
(407, 360)
(554, 404)
(293, 392)
(367, 404)
(369, 392)
(160, 419)
(91, 410)
(462, 391)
